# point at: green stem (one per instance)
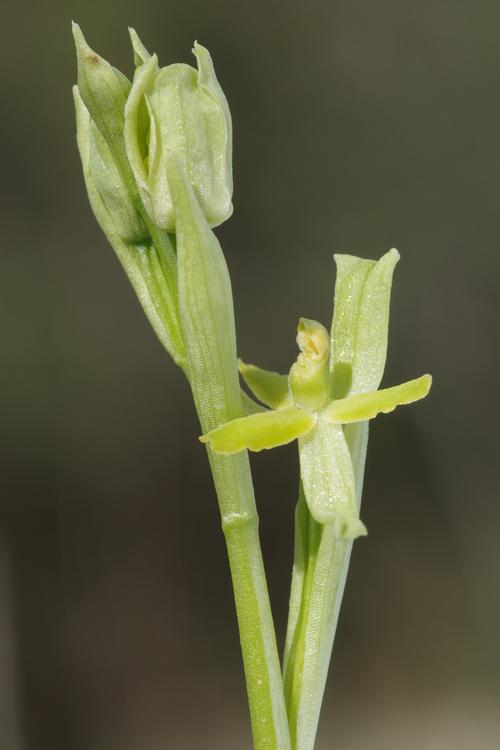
(319, 575)
(258, 643)
(307, 542)
(206, 314)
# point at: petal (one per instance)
(367, 405)
(260, 431)
(269, 387)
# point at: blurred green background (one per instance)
(358, 126)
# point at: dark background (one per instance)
(358, 126)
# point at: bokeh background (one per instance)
(358, 126)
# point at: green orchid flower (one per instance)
(303, 408)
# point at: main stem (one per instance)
(233, 484)
(207, 323)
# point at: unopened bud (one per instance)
(182, 112)
(108, 193)
(104, 91)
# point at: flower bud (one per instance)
(104, 91)
(182, 112)
(109, 196)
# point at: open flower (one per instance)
(325, 462)
(313, 403)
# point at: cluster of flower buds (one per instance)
(127, 133)
(156, 155)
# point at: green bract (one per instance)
(181, 111)
(205, 306)
(360, 322)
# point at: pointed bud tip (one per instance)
(199, 48)
(84, 53)
(204, 62)
(134, 37)
(78, 35)
(141, 54)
